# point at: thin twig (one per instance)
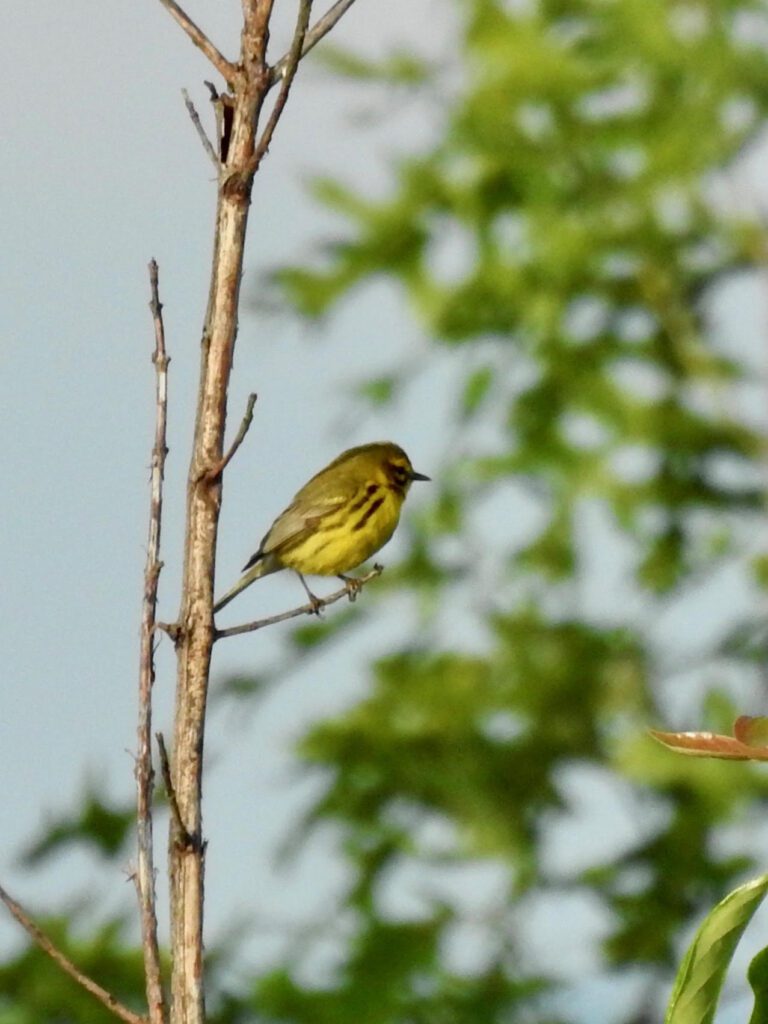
(288, 74)
(215, 471)
(165, 767)
(173, 629)
(145, 776)
(195, 117)
(42, 940)
(321, 28)
(305, 609)
(226, 69)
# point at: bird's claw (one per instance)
(353, 586)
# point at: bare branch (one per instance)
(165, 767)
(289, 73)
(215, 471)
(195, 117)
(194, 632)
(320, 29)
(226, 69)
(42, 940)
(145, 777)
(350, 590)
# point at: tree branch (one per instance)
(320, 29)
(42, 940)
(289, 73)
(145, 776)
(173, 803)
(305, 609)
(215, 471)
(195, 118)
(226, 69)
(194, 633)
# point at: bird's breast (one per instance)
(350, 538)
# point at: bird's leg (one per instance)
(316, 603)
(353, 585)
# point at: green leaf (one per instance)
(702, 972)
(758, 979)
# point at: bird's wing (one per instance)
(306, 512)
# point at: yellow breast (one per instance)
(348, 538)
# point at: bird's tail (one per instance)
(263, 567)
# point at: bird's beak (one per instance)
(419, 476)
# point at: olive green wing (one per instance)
(314, 502)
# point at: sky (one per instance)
(103, 171)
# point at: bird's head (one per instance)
(396, 467)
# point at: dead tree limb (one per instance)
(321, 28)
(201, 41)
(195, 620)
(145, 776)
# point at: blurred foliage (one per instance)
(34, 990)
(95, 825)
(398, 68)
(562, 244)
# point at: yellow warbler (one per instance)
(341, 517)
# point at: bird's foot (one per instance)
(315, 604)
(353, 585)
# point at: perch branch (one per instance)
(321, 28)
(42, 940)
(195, 118)
(226, 69)
(145, 776)
(215, 471)
(292, 59)
(305, 609)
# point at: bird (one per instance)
(339, 519)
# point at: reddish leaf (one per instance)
(711, 744)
